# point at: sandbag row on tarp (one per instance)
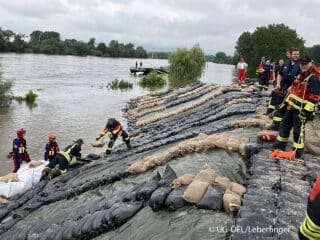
(197, 144)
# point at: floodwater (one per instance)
(73, 101)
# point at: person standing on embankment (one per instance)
(19, 150)
(242, 68)
(299, 106)
(51, 148)
(289, 72)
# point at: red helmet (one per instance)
(52, 137)
(21, 132)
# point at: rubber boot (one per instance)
(128, 144)
(108, 152)
(45, 173)
(280, 145)
(299, 153)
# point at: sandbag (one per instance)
(93, 156)
(195, 191)
(34, 164)
(150, 186)
(124, 211)
(231, 201)
(174, 200)
(185, 179)
(237, 188)
(158, 198)
(207, 174)
(233, 144)
(168, 176)
(213, 199)
(97, 144)
(222, 182)
(3, 199)
(13, 177)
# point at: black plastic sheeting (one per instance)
(275, 200)
(270, 180)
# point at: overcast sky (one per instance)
(161, 24)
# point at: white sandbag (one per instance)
(27, 176)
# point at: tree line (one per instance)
(50, 42)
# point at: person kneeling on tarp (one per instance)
(116, 130)
(63, 158)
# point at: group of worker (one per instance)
(63, 158)
(293, 103)
(293, 100)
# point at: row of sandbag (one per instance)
(140, 112)
(177, 111)
(200, 143)
(152, 101)
(205, 190)
(148, 101)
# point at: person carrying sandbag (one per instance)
(115, 129)
(63, 158)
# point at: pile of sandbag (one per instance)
(179, 110)
(207, 191)
(26, 177)
(249, 89)
(200, 143)
(238, 100)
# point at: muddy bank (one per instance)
(102, 200)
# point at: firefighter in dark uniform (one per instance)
(19, 150)
(285, 78)
(51, 148)
(63, 158)
(310, 227)
(299, 107)
(115, 129)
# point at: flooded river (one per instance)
(73, 99)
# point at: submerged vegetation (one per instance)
(152, 80)
(5, 94)
(120, 84)
(29, 98)
(186, 66)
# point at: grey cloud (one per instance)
(156, 24)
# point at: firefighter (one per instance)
(51, 148)
(310, 227)
(286, 76)
(63, 158)
(242, 68)
(299, 107)
(115, 129)
(265, 76)
(19, 150)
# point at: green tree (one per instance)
(270, 41)
(102, 48)
(186, 66)
(19, 45)
(141, 52)
(314, 53)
